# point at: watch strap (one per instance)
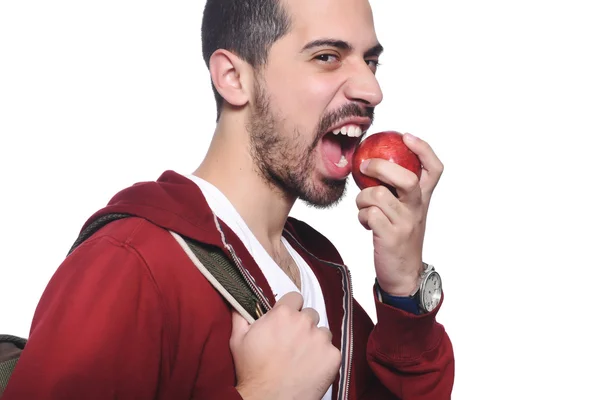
(409, 304)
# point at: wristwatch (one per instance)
(425, 299)
(429, 294)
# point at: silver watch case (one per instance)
(430, 289)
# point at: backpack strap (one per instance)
(95, 226)
(10, 350)
(225, 277)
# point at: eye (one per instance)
(327, 58)
(373, 64)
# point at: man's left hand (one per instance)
(398, 223)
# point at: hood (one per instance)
(172, 202)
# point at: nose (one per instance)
(362, 86)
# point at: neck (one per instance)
(228, 165)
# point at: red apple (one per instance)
(388, 145)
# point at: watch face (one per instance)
(432, 291)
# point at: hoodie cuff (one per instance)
(402, 334)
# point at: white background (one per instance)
(95, 96)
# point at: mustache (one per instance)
(347, 111)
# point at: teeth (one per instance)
(349, 130)
(343, 162)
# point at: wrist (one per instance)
(403, 287)
(427, 297)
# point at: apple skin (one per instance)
(388, 145)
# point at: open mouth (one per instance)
(340, 143)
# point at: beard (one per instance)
(287, 160)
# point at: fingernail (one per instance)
(364, 165)
(409, 137)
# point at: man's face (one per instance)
(319, 79)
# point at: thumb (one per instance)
(239, 328)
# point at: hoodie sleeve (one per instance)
(98, 331)
(411, 355)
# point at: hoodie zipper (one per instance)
(247, 278)
(343, 391)
(350, 333)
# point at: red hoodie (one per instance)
(128, 316)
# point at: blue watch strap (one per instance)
(406, 303)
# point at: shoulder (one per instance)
(110, 256)
(138, 256)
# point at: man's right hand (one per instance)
(284, 355)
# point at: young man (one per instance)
(128, 315)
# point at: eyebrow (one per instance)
(343, 46)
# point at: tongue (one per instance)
(332, 148)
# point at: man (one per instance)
(128, 316)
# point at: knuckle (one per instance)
(412, 182)
(307, 317)
(335, 356)
(359, 199)
(296, 296)
(284, 312)
(380, 193)
(373, 213)
(324, 335)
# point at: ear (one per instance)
(229, 76)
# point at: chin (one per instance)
(327, 193)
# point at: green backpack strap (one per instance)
(95, 226)
(225, 277)
(10, 350)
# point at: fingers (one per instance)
(432, 166)
(380, 197)
(295, 302)
(402, 179)
(292, 300)
(423, 150)
(373, 219)
(312, 314)
(405, 181)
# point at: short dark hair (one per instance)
(247, 28)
